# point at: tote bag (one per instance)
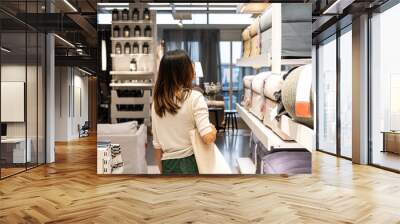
(208, 157)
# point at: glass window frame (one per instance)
(335, 37)
(37, 45)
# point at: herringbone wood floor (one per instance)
(69, 191)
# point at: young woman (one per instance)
(176, 110)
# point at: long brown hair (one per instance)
(175, 75)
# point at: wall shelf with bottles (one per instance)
(133, 42)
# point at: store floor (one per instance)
(69, 191)
(386, 159)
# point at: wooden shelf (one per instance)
(256, 61)
(264, 134)
(137, 85)
(262, 60)
(133, 73)
(130, 55)
(132, 39)
(133, 22)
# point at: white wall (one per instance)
(71, 102)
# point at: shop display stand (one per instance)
(303, 137)
(273, 58)
(123, 76)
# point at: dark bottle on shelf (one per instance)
(127, 48)
(135, 49)
(133, 65)
(145, 48)
(127, 31)
(125, 14)
(116, 31)
(146, 14)
(147, 31)
(137, 31)
(115, 15)
(118, 48)
(135, 14)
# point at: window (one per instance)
(385, 89)
(231, 76)
(346, 93)
(327, 96)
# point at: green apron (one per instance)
(185, 165)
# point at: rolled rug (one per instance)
(246, 34)
(246, 48)
(257, 96)
(246, 102)
(273, 84)
(265, 20)
(269, 120)
(255, 46)
(255, 27)
(297, 96)
(266, 41)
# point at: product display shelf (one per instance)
(263, 60)
(123, 77)
(256, 61)
(128, 100)
(135, 85)
(133, 73)
(130, 55)
(122, 39)
(144, 114)
(129, 22)
(270, 53)
(264, 134)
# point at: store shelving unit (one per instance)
(273, 57)
(136, 80)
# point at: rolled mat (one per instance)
(247, 81)
(257, 85)
(272, 84)
(255, 27)
(269, 120)
(246, 34)
(299, 108)
(266, 41)
(246, 48)
(255, 46)
(265, 20)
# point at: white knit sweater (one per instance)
(171, 132)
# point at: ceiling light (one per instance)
(70, 5)
(64, 40)
(5, 50)
(157, 4)
(84, 71)
(337, 7)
